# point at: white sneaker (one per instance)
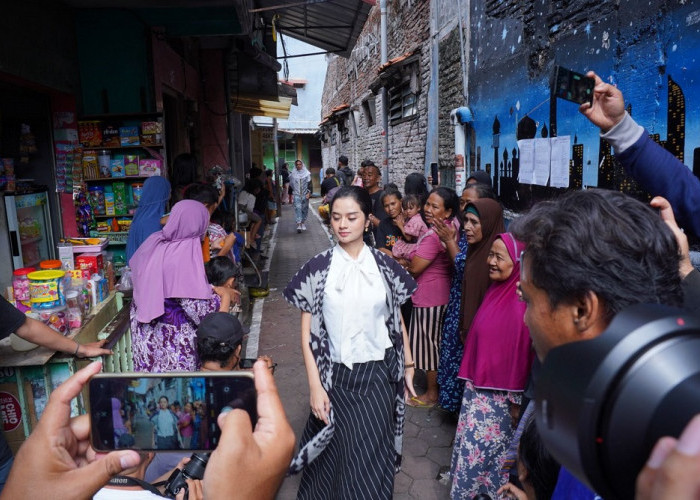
(299, 228)
(303, 226)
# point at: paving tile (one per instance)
(419, 467)
(436, 436)
(429, 489)
(402, 482)
(415, 447)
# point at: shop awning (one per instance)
(331, 25)
(183, 17)
(259, 106)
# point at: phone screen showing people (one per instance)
(165, 412)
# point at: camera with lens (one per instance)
(602, 404)
(194, 469)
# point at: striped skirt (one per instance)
(359, 460)
(424, 334)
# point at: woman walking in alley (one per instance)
(358, 365)
(301, 186)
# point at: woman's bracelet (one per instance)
(77, 348)
(409, 365)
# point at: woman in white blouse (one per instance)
(358, 360)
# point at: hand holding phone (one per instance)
(434, 178)
(56, 461)
(572, 86)
(252, 460)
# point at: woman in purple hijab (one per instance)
(171, 292)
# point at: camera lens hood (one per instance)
(602, 404)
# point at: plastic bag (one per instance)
(125, 284)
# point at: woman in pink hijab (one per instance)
(171, 292)
(495, 366)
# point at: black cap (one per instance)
(223, 327)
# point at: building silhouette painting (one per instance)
(576, 166)
(505, 167)
(675, 141)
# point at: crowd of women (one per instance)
(437, 278)
(438, 293)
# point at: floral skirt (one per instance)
(484, 433)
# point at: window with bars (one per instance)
(402, 102)
(369, 108)
(343, 129)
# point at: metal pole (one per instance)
(385, 94)
(277, 167)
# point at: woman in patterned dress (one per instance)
(451, 347)
(171, 292)
(351, 445)
(496, 363)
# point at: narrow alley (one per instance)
(428, 433)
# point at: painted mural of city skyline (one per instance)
(658, 75)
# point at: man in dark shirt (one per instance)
(330, 182)
(370, 178)
(345, 175)
(14, 321)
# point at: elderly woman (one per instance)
(171, 292)
(432, 267)
(495, 365)
(483, 221)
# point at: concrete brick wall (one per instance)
(511, 48)
(348, 82)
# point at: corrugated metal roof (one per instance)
(332, 25)
(299, 131)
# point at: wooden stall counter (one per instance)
(27, 378)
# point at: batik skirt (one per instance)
(484, 433)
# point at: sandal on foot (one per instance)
(417, 403)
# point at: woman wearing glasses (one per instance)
(495, 366)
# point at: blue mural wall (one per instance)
(636, 45)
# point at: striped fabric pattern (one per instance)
(424, 334)
(359, 461)
(305, 291)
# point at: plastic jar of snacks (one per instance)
(20, 283)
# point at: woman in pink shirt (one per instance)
(185, 425)
(432, 267)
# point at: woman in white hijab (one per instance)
(300, 183)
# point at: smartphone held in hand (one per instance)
(165, 412)
(572, 86)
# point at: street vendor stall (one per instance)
(27, 378)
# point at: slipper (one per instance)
(417, 403)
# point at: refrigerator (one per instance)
(29, 227)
